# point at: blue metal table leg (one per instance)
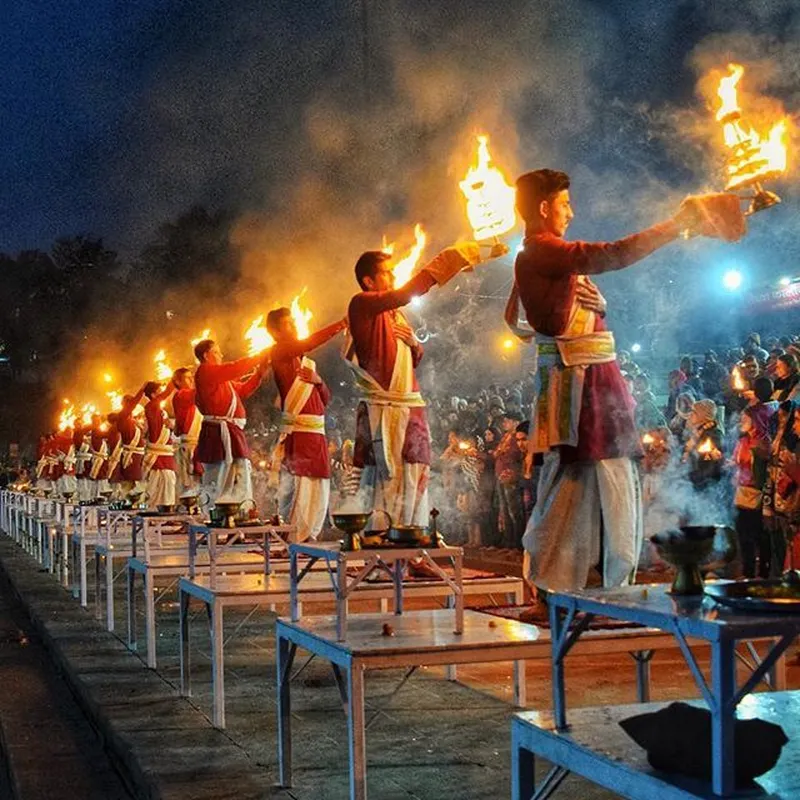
(723, 712)
(285, 656)
(557, 623)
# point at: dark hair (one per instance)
(368, 263)
(179, 373)
(151, 387)
(275, 316)
(790, 361)
(533, 187)
(524, 427)
(763, 389)
(201, 348)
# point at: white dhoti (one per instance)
(161, 488)
(303, 504)
(67, 485)
(230, 481)
(391, 485)
(84, 489)
(188, 482)
(575, 502)
(302, 499)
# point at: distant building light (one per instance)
(732, 280)
(636, 347)
(785, 281)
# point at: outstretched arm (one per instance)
(303, 346)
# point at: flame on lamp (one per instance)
(107, 377)
(301, 316)
(404, 268)
(204, 334)
(752, 158)
(115, 398)
(737, 380)
(87, 412)
(163, 370)
(490, 199)
(258, 337)
(67, 418)
(648, 438)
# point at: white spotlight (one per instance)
(732, 280)
(636, 347)
(785, 281)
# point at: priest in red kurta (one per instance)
(393, 447)
(98, 472)
(221, 388)
(300, 459)
(66, 484)
(83, 459)
(588, 509)
(132, 441)
(159, 466)
(114, 443)
(188, 421)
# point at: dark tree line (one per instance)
(49, 299)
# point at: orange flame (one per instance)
(67, 418)
(107, 377)
(463, 445)
(648, 438)
(706, 448)
(737, 380)
(87, 412)
(403, 269)
(163, 370)
(258, 337)
(490, 199)
(204, 334)
(301, 316)
(751, 157)
(115, 397)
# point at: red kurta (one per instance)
(155, 416)
(185, 408)
(546, 275)
(214, 394)
(371, 316)
(114, 436)
(127, 427)
(77, 443)
(62, 443)
(97, 439)
(305, 452)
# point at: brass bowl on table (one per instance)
(227, 511)
(690, 549)
(409, 535)
(166, 509)
(351, 525)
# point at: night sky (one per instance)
(119, 115)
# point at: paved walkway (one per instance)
(46, 743)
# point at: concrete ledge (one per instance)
(163, 747)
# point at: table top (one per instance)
(333, 551)
(611, 756)
(414, 631)
(699, 616)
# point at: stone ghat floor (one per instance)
(437, 739)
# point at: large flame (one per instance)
(88, 410)
(404, 268)
(751, 158)
(301, 316)
(737, 380)
(163, 370)
(202, 336)
(115, 397)
(490, 199)
(258, 337)
(67, 418)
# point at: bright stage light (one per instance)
(635, 348)
(732, 280)
(416, 301)
(785, 281)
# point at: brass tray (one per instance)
(757, 596)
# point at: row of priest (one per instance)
(190, 440)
